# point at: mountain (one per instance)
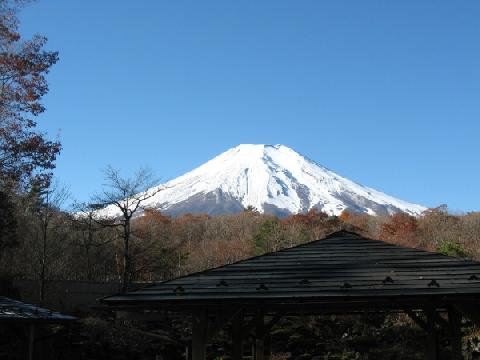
(274, 179)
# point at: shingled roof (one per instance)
(342, 266)
(17, 311)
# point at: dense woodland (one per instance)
(162, 247)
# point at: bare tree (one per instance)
(120, 199)
(85, 223)
(50, 200)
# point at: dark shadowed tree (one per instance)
(121, 198)
(25, 152)
(8, 223)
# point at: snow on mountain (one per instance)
(273, 179)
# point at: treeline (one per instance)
(72, 247)
(162, 247)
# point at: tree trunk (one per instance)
(259, 336)
(44, 260)
(126, 257)
(431, 350)
(31, 342)
(87, 250)
(199, 335)
(237, 340)
(89, 270)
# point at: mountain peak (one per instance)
(255, 149)
(274, 179)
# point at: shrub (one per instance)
(452, 248)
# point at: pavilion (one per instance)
(19, 314)
(344, 273)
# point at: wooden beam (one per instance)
(250, 326)
(146, 316)
(222, 318)
(431, 350)
(199, 335)
(455, 322)
(237, 337)
(162, 337)
(259, 336)
(268, 337)
(268, 345)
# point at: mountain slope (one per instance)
(274, 179)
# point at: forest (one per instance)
(66, 247)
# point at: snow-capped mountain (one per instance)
(273, 179)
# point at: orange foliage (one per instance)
(401, 228)
(357, 222)
(152, 220)
(311, 219)
(345, 216)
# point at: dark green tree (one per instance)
(8, 222)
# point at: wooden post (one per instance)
(455, 322)
(237, 337)
(199, 335)
(69, 334)
(431, 351)
(259, 336)
(31, 342)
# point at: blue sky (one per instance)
(386, 93)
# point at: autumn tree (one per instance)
(363, 223)
(400, 228)
(121, 198)
(316, 222)
(156, 254)
(25, 152)
(270, 236)
(441, 230)
(471, 232)
(187, 231)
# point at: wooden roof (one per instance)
(17, 311)
(342, 268)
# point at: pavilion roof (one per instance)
(342, 267)
(17, 311)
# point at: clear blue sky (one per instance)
(386, 93)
